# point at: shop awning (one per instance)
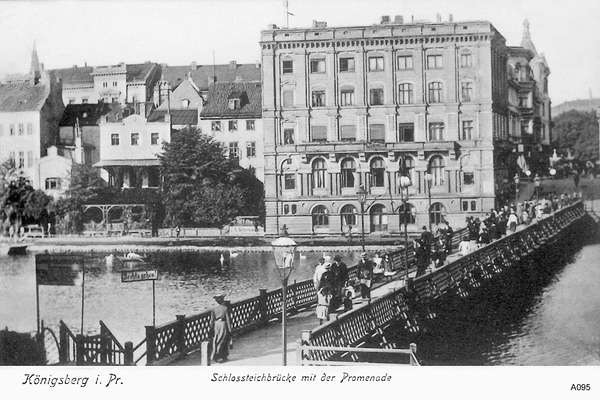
(128, 163)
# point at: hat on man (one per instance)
(321, 260)
(337, 258)
(219, 296)
(363, 254)
(424, 228)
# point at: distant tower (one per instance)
(35, 66)
(526, 42)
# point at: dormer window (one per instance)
(234, 104)
(185, 103)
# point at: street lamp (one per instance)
(284, 249)
(404, 183)
(553, 173)
(536, 181)
(361, 195)
(517, 181)
(429, 179)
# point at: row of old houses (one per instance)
(327, 110)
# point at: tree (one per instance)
(201, 186)
(577, 131)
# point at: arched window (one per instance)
(378, 218)
(377, 172)
(185, 103)
(348, 169)
(437, 169)
(406, 214)
(435, 92)
(437, 213)
(348, 214)
(320, 217)
(318, 173)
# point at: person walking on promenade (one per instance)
(221, 330)
(319, 269)
(349, 233)
(576, 178)
(340, 271)
(420, 257)
(427, 241)
(365, 274)
(177, 232)
(513, 221)
(283, 232)
(325, 292)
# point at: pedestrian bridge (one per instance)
(394, 307)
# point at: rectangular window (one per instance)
(71, 101)
(234, 150)
(405, 62)
(318, 134)
(348, 133)
(21, 159)
(376, 63)
(405, 93)
(114, 139)
(377, 133)
(289, 181)
(287, 67)
(250, 125)
(251, 149)
(114, 84)
(11, 156)
(376, 97)
(347, 64)
(436, 131)
(135, 139)
(288, 98)
(467, 91)
(30, 128)
(104, 84)
(288, 136)
(406, 132)
(233, 124)
(466, 60)
(11, 129)
(84, 100)
(52, 183)
(468, 178)
(318, 98)
(467, 130)
(154, 138)
(473, 205)
(20, 129)
(435, 92)
(434, 61)
(30, 159)
(465, 205)
(317, 66)
(347, 97)
(215, 126)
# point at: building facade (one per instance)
(359, 106)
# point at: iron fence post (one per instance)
(80, 350)
(128, 354)
(262, 306)
(150, 345)
(63, 349)
(180, 334)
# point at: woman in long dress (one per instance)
(221, 323)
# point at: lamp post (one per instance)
(429, 179)
(536, 181)
(528, 173)
(553, 173)
(404, 183)
(517, 181)
(361, 195)
(284, 250)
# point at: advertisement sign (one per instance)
(59, 270)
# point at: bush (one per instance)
(20, 349)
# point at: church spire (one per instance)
(35, 66)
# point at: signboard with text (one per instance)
(59, 270)
(136, 276)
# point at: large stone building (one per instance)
(346, 107)
(30, 110)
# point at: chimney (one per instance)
(142, 110)
(438, 18)
(74, 65)
(385, 19)
(211, 79)
(272, 26)
(232, 65)
(257, 64)
(451, 18)
(194, 66)
(399, 19)
(103, 119)
(167, 117)
(314, 23)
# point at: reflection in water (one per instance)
(187, 282)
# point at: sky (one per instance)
(177, 32)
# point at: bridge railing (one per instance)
(365, 325)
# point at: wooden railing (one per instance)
(366, 325)
(354, 353)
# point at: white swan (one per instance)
(232, 254)
(302, 256)
(222, 260)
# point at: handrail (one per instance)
(304, 348)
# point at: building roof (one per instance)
(128, 162)
(139, 72)
(15, 97)
(88, 114)
(178, 117)
(75, 75)
(219, 93)
(231, 72)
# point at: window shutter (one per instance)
(319, 133)
(348, 132)
(377, 132)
